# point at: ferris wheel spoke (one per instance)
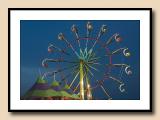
(92, 67)
(121, 84)
(94, 59)
(76, 88)
(61, 37)
(127, 68)
(68, 67)
(52, 48)
(117, 65)
(103, 29)
(65, 77)
(74, 29)
(86, 67)
(57, 71)
(125, 52)
(115, 79)
(46, 60)
(89, 29)
(94, 63)
(74, 79)
(68, 75)
(53, 73)
(63, 69)
(103, 46)
(115, 37)
(104, 90)
(92, 88)
(72, 47)
(110, 40)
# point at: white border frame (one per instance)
(142, 15)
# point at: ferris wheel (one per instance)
(86, 61)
